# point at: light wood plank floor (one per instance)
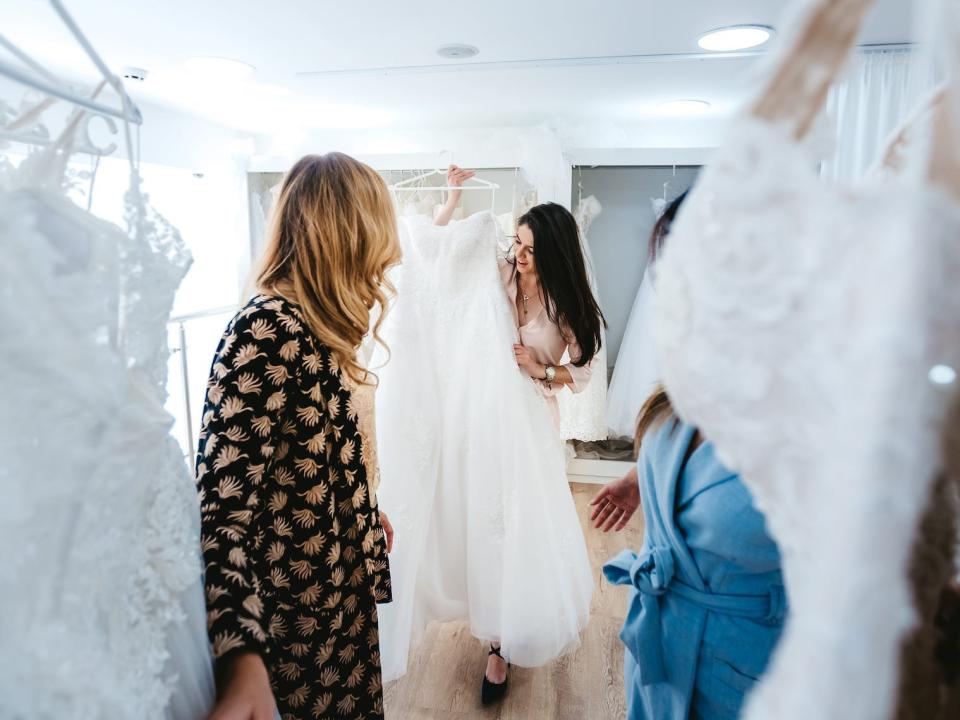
(443, 682)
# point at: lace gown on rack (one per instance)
(103, 610)
(798, 326)
(473, 469)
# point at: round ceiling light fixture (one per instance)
(735, 37)
(457, 52)
(685, 108)
(218, 68)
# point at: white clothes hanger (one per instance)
(35, 76)
(415, 183)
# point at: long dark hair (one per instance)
(662, 227)
(657, 408)
(562, 271)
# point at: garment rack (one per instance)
(45, 82)
(414, 184)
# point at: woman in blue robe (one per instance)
(707, 601)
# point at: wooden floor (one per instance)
(443, 682)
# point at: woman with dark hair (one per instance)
(547, 283)
(707, 602)
(556, 315)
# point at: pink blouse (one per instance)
(548, 341)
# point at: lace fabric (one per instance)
(583, 414)
(798, 327)
(102, 575)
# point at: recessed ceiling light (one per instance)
(736, 37)
(218, 68)
(457, 52)
(684, 107)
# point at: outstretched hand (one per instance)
(616, 503)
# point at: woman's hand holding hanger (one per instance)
(456, 177)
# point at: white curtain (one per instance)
(879, 92)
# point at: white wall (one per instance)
(545, 153)
(619, 236)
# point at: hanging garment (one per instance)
(637, 370)
(707, 602)
(799, 328)
(103, 611)
(583, 414)
(473, 475)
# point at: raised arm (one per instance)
(456, 177)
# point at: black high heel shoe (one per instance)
(492, 692)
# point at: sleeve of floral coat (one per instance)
(248, 393)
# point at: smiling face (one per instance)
(523, 251)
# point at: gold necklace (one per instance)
(524, 298)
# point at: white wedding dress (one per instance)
(798, 326)
(637, 371)
(473, 474)
(583, 414)
(103, 612)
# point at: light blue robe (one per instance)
(707, 602)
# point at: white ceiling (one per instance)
(286, 38)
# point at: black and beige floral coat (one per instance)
(294, 551)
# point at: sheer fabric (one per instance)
(103, 613)
(473, 475)
(798, 328)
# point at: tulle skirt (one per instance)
(473, 469)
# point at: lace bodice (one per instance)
(583, 414)
(100, 517)
(797, 328)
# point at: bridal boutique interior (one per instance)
(143, 153)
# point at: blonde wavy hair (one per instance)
(332, 238)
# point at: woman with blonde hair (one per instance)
(294, 546)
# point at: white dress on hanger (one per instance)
(582, 414)
(473, 475)
(798, 327)
(103, 610)
(637, 370)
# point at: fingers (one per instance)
(602, 516)
(599, 502)
(457, 176)
(612, 521)
(387, 530)
(624, 519)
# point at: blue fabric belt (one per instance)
(652, 574)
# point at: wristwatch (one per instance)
(549, 373)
